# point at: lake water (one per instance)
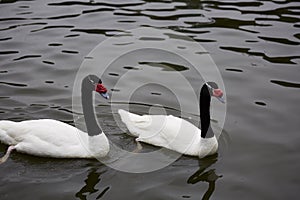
(254, 44)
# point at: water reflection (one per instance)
(204, 175)
(89, 188)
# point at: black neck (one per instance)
(87, 89)
(205, 99)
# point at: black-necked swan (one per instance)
(52, 138)
(175, 133)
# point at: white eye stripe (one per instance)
(209, 87)
(91, 80)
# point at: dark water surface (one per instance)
(255, 45)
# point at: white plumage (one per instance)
(52, 138)
(170, 132)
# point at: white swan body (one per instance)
(52, 138)
(170, 132)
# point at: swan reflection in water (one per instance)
(98, 191)
(93, 178)
(204, 175)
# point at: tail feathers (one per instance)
(134, 122)
(127, 116)
(5, 137)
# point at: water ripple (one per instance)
(260, 103)
(236, 24)
(62, 16)
(55, 44)
(20, 25)
(93, 31)
(170, 16)
(13, 19)
(72, 36)
(13, 84)
(232, 3)
(277, 59)
(286, 84)
(27, 56)
(87, 3)
(8, 52)
(166, 66)
(234, 70)
(279, 40)
(48, 62)
(98, 10)
(151, 38)
(24, 13)
(5, 39)
(51, 27)
(70, 52)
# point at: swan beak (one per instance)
(105, 95)
(221, 99)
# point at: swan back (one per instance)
(6, 133)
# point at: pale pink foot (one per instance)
(138, 148)
(5, 157)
